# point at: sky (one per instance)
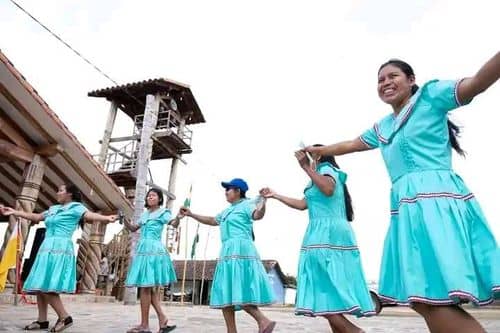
(266, 75)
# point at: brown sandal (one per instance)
(62, 324)
(37, 326)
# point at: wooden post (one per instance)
(143, 158)
(108, 130)
(171, 231)
(89, 255)
(25, 201)
(18, 262)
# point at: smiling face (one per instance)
(394, 85)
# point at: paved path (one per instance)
(115, 317)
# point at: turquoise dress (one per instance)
(331, 278)
(240, 278)
(54, 269)
(151, 266)
(439, 248)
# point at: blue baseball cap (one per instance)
(236, 183)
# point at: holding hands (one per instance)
(267, 193)
(184, 211)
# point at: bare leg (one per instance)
(42, 304)
(155, 301)
(340, 324)
(145, 296)
(444, 319)
(55, 302)
(261, 319)
(228, 313)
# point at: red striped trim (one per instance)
(235, 256)
(159, 284)
(51, 291)
(365, 143)
(461, 295)
(432, 195)
(330, 247)
(63, 252)
(401, 123)
(406, 116)
(379, 136)
(353, 310)
(220, 306)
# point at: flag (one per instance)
(195, 241)
(9, 257)
(178, 239)
(187, 201)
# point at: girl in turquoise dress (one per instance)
(54, 269)
(151, 265)
(240, 279)
(331, 281)
(439, 250)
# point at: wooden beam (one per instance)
(49, 150)
(123, 138)
(108, 130)
(169, 149)
(15, 152)
(9, 130)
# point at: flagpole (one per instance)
(193, 256)
(203, 269)
(187, 204)
(185, 264)
(18, 253)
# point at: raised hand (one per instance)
(301, 157)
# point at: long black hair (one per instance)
(76, 195)
(453, 129)
(347, 197)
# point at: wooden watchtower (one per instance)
(171, 138)
(161, 111)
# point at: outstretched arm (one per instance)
(33, 217)
(340, 148)
(484, 78)
(208, 220)
(299, 204)
(91, 217)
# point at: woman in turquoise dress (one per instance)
(151, 265)
(331, 281)
(54, 269)
(240, 279)
(439, 250)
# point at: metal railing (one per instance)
(167, 120)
